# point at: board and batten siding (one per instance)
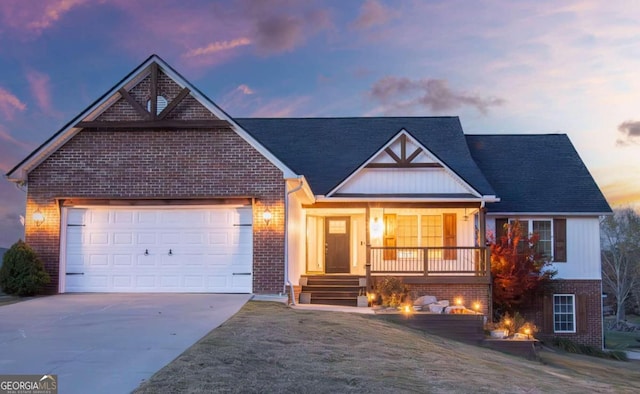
(403, 181)
(583, 247)
(583, 250)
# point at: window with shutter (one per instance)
(552, 241)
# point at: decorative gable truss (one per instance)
(404, 168)
(162, 96)
(153, 96)
(395, 155)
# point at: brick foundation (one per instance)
(469, 293)
(588, 327)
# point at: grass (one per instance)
(620, 340)
(268, 347)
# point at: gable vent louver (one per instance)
(161, 103)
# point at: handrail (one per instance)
(441, 260)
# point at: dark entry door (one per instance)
(337, 232)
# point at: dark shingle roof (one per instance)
(537, 174)
(328, 150)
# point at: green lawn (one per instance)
(622, 340)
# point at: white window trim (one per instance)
(573, 297)
(530, 221)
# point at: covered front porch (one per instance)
(426, 243)
(436, 249)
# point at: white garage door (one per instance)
(159, 250)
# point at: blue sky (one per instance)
(503, 67)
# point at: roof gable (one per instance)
(536, 174)
(123, 94)
(404, 167)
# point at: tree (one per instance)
(518, 271)
(620, 243)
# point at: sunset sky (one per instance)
(502, 67)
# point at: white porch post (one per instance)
(367, 266)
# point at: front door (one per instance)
(337, 245)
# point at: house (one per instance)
(154, 188)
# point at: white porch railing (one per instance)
(446, 260)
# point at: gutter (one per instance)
(286, 239)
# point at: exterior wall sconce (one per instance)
(376, 228)
(267, 216)
(38, 217)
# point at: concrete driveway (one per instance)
(106, 343)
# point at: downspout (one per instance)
(286, 239)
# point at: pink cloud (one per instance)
(373, 13)
(200, 35)
(6, 137)
(35, 16)
(245, 89)
(243, 101)
(218, 46)
(208, 33)
(9, 104)
(239, 100)
(54, 10)
(40, 89)
(281, 108)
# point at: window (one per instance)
(553, 235)
(544, 229)
(424, 230)
(412, 231)
(431, 230)
(407, 230)
(564, 316)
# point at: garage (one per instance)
(157, 249)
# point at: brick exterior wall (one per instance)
(167, 164)
(469, 293)
(588, 300)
